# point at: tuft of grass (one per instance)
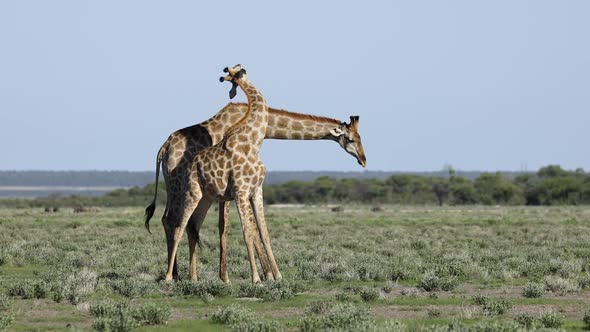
(369, 294)
(491, 306)
(560, 285)
(533, 290)
(431, 282)
(6, 320)
(241, 319)
(552, 320)
(586, 319)
(133, 287)
(526, 320)
(337, 316)
(5, 303)
(152, 314)
(111, 316)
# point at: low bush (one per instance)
(552, 320)
(6, 320)
(431, 282)
(102, 309)
(337, 316)
(241, 319)
(491, 306)
(526, 320)
(369, 294)
(533, 290)
(133, 287)
(152, 314)
(111, 316)
(560, 285)
(5, 303)
(232, 314)
(586, 319)
(24, 289)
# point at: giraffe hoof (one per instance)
(225, 70)
(221, 79)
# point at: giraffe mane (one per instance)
(295, 115)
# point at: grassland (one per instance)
(362, 269)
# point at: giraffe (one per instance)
(177, 152)
(229, 170)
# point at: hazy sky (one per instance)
(480, 85)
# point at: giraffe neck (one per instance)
(296, 126)
(281, 124)
(251, 128)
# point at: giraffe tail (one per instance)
(149, 211)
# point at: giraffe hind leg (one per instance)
(194, 225)
(190, 202)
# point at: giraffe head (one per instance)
(234, 74)
(347, 135)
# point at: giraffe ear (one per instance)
(336, 132)
(233, 92)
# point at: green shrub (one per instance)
(343, 297)
(133, 287)
(6, 320)
(434, 313)
(526, 320)
(533, 290)
(586, 319)
(5, 303)
(102, 309)
(560, 285)
(72, 285)
(480, 299)
(152, 314)
(319, 307)
(552, 320)
(122, 319)
(430, 282)
(232, 314)
(24, 289)
(369, 294)
(338, 316)
(271, 290)
(101, 324)
(264, 325)
(492, 307)
(584, 282)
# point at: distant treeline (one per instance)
(551, 185)
(75, 178)
(133, 178)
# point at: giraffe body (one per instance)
(177, 156)
(230, 169)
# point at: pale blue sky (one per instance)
(480, 85)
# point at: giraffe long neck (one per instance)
(297, 126)
(281, 124)
(253, 124)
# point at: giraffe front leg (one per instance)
(248, 228)
(190, 202)
(193, 229)
(223, 231)
(258, 207)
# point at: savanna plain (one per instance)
(353, 268)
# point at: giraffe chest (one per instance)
(235, 173)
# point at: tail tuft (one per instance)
(149, 213)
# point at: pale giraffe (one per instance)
(229, 170)
(177, 152)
